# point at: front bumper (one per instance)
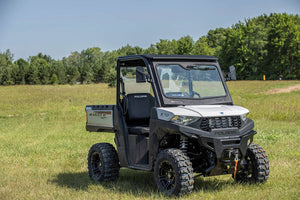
(223, 142)
(224, 164)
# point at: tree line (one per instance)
(265, 45)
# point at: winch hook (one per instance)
(236, 159)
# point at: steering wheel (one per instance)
(196, 93)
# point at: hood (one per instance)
(201, 111)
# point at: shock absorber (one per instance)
(183, 144)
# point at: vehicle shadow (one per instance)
(131, 181)
(77, 180)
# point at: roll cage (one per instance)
(151, 61)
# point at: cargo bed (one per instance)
(99, 118)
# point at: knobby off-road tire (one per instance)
(173, 172)
(256, 168)
(103, 162)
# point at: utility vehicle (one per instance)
(174, 116)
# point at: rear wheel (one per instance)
(173, 172)
(256, 166)
(103, 162)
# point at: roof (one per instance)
(168, 57)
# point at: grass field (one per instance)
(44, 145)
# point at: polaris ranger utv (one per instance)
(174, 116)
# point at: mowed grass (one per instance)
(44, 145)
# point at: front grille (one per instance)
(209, 123)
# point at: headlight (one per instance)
(244, 117)
(184, 120)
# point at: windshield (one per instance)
(197, 81)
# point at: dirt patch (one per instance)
(284, 90)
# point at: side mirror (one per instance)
(140, 75)
(232, 72)
(231, 75)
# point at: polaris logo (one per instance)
(140, 96)
(225, 132)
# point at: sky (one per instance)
(59, 27)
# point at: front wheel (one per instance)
(173, 172)
(103, 162)
(256, 166)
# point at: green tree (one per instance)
(33, 74)
(40, 63)
(54, 80)
(255, 40)
(283, 46)
(215, 39)
(44, 71)
(201, 47)
(57, 68)
(151, 50)
(6, 66)
(129, 50)
(21, 71)
(109, 64)
(184, 45)
(72, 63)
(166, 47)
(91, 69)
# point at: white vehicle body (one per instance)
(201, 111)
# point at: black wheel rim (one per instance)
(96, 165)
(249, 167)
(247, 172)
(166, 176)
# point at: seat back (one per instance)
(139, 108)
